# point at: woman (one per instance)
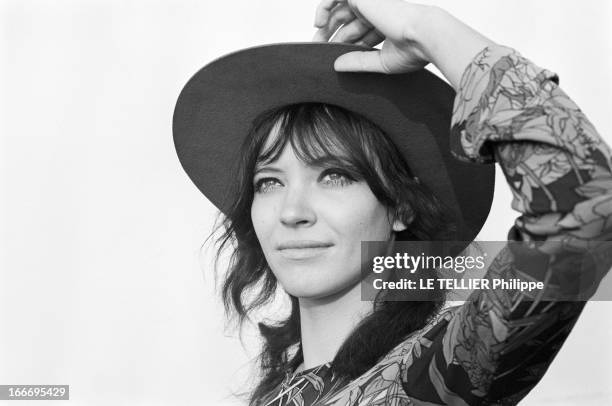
(328, 163)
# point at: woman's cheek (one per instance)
(260, 222)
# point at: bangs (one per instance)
(322, 136)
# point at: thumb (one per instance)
(360, 61)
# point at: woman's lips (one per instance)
(303, 249)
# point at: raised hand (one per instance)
(412, 36)
(369, 22)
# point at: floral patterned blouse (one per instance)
(495, 347)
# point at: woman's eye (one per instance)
(334, 178)
(265, 185)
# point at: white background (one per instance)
(102, 283)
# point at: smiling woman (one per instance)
(330, 159)
(319, 180)
(314, 201)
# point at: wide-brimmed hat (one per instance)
(217, 106)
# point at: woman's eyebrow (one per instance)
(267, 168)
(329, 161)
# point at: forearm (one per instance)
(510, 111)
(557, 165)
(446, 42)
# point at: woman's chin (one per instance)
(318, 289)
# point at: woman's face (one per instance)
(310, 222)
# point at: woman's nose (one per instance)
(297, 209)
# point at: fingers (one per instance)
(352, 31)
(360, 61)
(323, 12)
(341, 15)
(390, 17)
(371, 39)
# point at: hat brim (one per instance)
(216, 109)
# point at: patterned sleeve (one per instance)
(496, 347)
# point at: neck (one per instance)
(326, 323)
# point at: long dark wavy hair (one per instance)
(318, 132)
